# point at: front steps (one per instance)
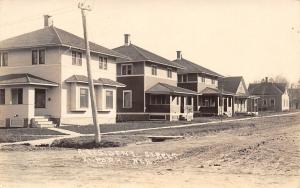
(42, 122)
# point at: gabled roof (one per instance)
(267, 88)
(162, 88)
(232, 84)
(138, 54)
(190, 67)
(100, 81)
(214, 91)
(24, 79)
(52, 36)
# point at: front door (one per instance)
(40, 98)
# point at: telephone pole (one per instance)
(84, 8)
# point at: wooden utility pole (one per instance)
(84, 8)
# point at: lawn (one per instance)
(122, 126)
(24, 134)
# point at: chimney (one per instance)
(48, 21)
(266, 79)
(179, 56)
(127, 39)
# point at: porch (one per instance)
(166, 102)
(23, 97)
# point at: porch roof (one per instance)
(214, 91)
(162, 88)
(100, 81)
(25, 79)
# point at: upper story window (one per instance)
(169, 73)
(126, 69)
(76, 58)
(2, 96)
(103, 63)
(213, 81)
(3, 59)
(17, 96)
(154, 69)
(203, 79)
(38, 56)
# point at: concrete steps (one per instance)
(43, 122)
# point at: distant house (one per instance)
(151, 91)
(294, 97)
(210, 99)
(272, 96)
(43, 77)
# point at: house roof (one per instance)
(231, 84)
(190, 67)
(162, 88)
(100, 81)
(53, 36)
(267, 88)
(214, 91)
(24, 79)
(138, 54)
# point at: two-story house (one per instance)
(43, 77)
(211, 100)
(151, 91)
(272, 96)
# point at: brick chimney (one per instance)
(266, 79)
(179, 55)
(127, 39)
(48, 21)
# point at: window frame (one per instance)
(87, 97)
(38, 56)
(105, 63)
(127, 91)
(112, 99)
(77, 59)
(126, 69)
(169, 72)
(154, 70)
(2, 59)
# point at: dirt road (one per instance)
(263, 154)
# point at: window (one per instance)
(17, 96)
(76, 58)
(205, 103)
(127, 99)
(126, 69)
(264, 102)
(184, 78)
(154, 69)
(159, 99)
(100, 62)
(203, 79)
(2, 96)
(272, 101)
(38, 56)
(169, 73)
(84, 98)
(212, 103)
(213, 81)
(109, 100)
(3, 59)
(105, 63)
(179, 78)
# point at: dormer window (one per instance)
(3, 59)
(38, 56)
(76, 58)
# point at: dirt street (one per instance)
(265, 154)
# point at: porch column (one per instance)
(29, 100)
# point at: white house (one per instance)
(43, 79)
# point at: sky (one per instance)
(249, 38)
